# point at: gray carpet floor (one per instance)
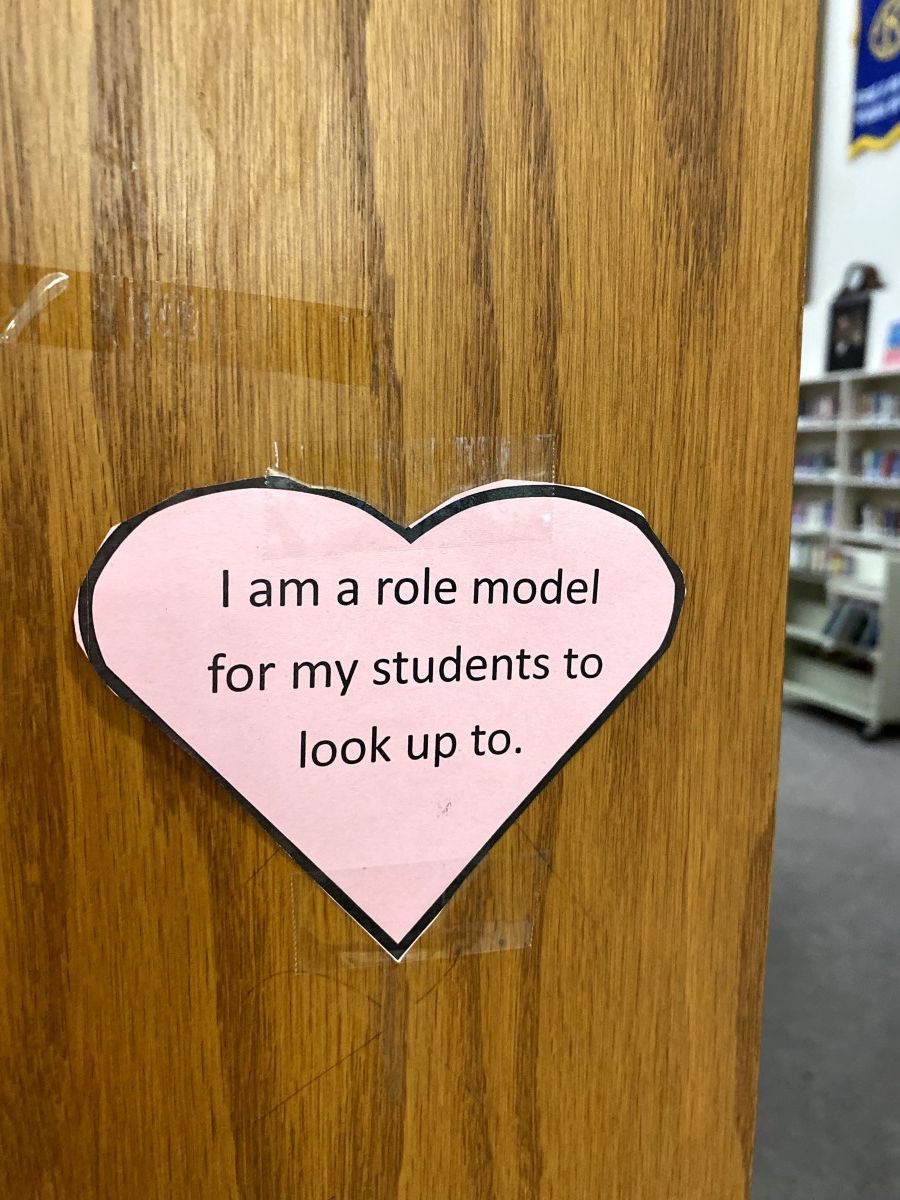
(829, 1098)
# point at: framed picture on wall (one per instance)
(847, 333)
(848, 328)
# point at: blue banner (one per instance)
(876, 106)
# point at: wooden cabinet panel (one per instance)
(420, 247)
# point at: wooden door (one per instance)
(419, 246)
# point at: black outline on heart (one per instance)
(410, 534)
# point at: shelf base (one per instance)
(810, 695)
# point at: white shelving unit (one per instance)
(841, 563)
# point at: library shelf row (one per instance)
(827, 478)
(852, 557)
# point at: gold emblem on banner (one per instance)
(884, 32)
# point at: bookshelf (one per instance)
(843, 618)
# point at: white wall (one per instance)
(854, 204)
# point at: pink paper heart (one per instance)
(389, 837)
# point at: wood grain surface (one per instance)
(421, 246)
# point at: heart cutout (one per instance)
(181, 596)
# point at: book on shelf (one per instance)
(821, 407)
(878, 406)
(876, 521)
(812, 516)
(808, 556)
(852, 624)
(877, 464)
(814, 462)
(826, 560)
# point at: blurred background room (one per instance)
(829, 1102)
